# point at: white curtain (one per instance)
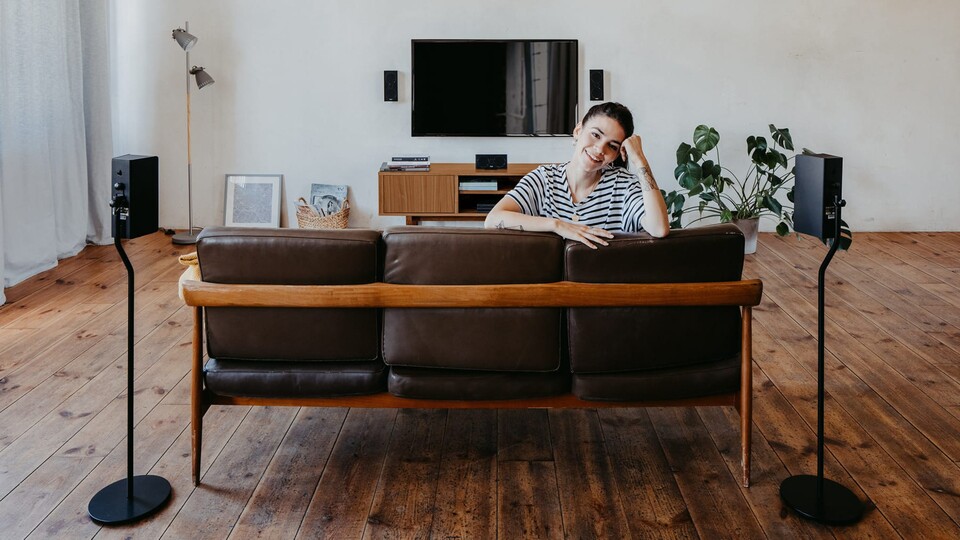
(55, 132)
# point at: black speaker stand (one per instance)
(815, 497)
(133, 497)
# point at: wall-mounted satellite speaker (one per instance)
(136, 179)
(390, 86)
(596, 85)
(817, 184)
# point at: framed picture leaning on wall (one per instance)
(253, 200)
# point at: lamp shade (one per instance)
(185, 39)
(203, 78)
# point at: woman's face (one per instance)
(597, 142)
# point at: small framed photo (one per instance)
(253, 200)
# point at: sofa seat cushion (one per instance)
(424, 383)
(691, 381)
(291, 257)
(251, 378)
(485, 339)
(624, 340)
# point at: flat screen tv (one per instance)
(494, 88)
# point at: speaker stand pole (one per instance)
(133, 497)
(815, 497)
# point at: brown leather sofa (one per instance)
(457, 317)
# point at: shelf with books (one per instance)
(438, 194)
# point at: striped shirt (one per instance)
(616, 204)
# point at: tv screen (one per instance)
(487, 88)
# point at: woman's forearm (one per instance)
(654, 220)
(507, 219)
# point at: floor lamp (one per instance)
(133, 497)
(186, 42)
(817, 204)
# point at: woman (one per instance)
(593, 194)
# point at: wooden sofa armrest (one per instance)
(557, 294)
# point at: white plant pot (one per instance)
(749, 227)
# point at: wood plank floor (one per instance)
(892, 422)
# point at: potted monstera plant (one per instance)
(765, 190)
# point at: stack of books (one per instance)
(415, 163)
(478, 185)
(485, 207)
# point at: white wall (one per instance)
(299, 90)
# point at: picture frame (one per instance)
(327, 199)
(252, 200)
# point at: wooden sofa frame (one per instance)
(745, 293)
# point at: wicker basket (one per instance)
(309, 218)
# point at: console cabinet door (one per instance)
(417, 194)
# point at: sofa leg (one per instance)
(745, 401)
(196, 394)
(745, 457)
(197, 439)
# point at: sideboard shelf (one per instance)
(435, 195)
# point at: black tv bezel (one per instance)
(413, 71)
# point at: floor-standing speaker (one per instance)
(818, 181)
(817, 204)
(136, 179)
(134, 206)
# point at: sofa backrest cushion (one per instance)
(511, 339)
(291, 257)
(603, 340)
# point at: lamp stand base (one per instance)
(110, 506)
(185, 238)
(839, 505)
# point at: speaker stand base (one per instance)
(838, 507)
(185, 238)
(110, 506)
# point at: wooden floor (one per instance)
(892, 422)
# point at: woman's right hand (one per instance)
(582, 233)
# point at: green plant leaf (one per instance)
(690, 175)
(782, 159)
(707, 196)
(709, 170)
(846, 236)
(759, 157)
(725, 215)
(698, 189)
(782, 229)
(781, 137)
(705, 138)
(772, 204)
(774, 180)
(759, 143)
(683, 153)
(771, 159)
(790, 193)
